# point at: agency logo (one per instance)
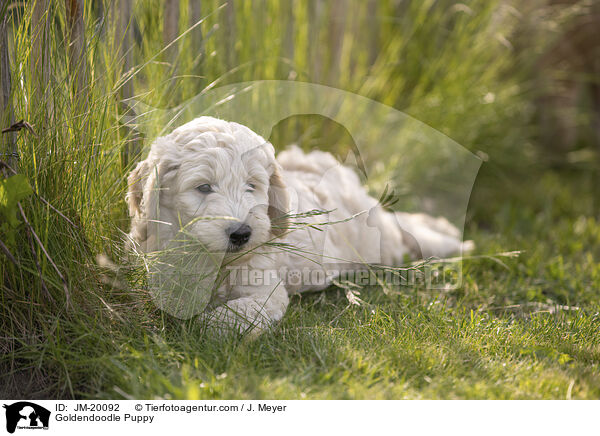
(26, 415)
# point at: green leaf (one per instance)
(13, 190)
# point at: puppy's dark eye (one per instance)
(251, 187)
(205, 188)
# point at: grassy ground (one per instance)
(524, 327)
(520, 327)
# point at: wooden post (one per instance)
(132, 149)
(313, 55)
(171, 29)
(196, 36)
(9, 150)
(287, 47)
(337, 27)
(258, 15)
(373, 26)
(39, 59)
(77, 61)
(123, 38)
(230, 34)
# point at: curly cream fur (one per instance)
(163, 197)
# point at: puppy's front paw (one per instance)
(253, 312)
(242, 316)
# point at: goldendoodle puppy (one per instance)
(270, 226)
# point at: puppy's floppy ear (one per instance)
(135, 187)
(145, 184)
(278, 203)
(136, 203)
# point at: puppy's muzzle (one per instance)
(239, 235)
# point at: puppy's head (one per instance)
(216, 180)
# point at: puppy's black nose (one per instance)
(238, 236)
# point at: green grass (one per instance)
(523, 327)
(526, 328)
